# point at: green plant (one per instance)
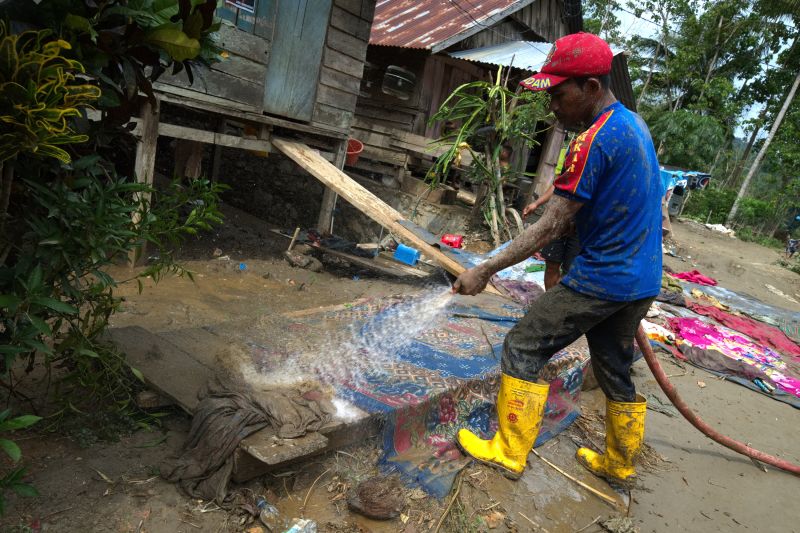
(39, 91)
(69, 216)
(13, 480)
(489, 117)
(710, 205)
(126, 45)
(748, 235)
(57, 297)
(687, 138)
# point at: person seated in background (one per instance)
(559, 254)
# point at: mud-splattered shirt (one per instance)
(612, 169)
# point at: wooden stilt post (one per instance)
(145, 163)
(216, 160)
(546, 169)
(325, 221)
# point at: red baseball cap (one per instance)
(572, 56)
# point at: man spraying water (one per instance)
(611, 191)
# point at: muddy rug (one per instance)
(429, 365)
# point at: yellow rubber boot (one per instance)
(520, 409)
(624, 437)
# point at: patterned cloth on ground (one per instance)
(443, 378)
(670, 284)
(419, 441)
(787, 321)
(758, 331)
(709, 346)
(708, 299)
(518, 272)
(658, 333)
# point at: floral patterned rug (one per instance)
(427, 387)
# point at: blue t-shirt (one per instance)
(613, 170)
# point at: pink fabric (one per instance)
(695, 277)
(696, 333)
(758, 331)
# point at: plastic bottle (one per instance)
(268, 514)
(302, 525)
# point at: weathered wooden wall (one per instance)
(239, 78)
(385, 123)
(540, 21)
(504, 31)
(261, 23)
(373, 105)
(240, 81)
(621, 81)
(437, 77)
(545, 18)
(443, 75)
(343, 62)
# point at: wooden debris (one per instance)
(605, 497)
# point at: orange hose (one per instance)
(696, 421)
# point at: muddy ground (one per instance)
(691, 484)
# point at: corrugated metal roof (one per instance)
(525, 55)
(436, 24)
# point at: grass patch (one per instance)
(790, 264)
(747, 235)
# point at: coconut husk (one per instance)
(379, 498)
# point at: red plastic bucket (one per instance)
(354, 147)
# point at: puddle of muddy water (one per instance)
(329, 516)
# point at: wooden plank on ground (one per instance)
(166, 368)
(176, 374)
(254, 455)
(378, 264)
(202, 345)
(267, 448)
(361, 198)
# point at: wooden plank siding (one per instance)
(301, 28)
(238, 78)
(260, 23)
(545, 18)
(383, 121)
(343, 62)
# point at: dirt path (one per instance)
(737, 265)
(701, 487)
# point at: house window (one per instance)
(246, 5)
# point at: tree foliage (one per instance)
(67, 212)
(705, 70)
